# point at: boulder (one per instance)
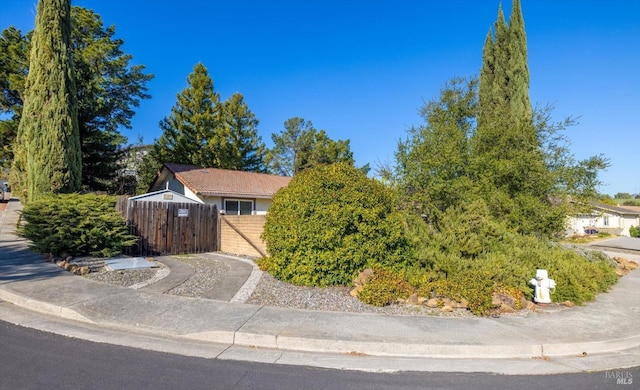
(501, 298)
(449, 302)
(412, 299)
(504, 308)
(82, 270)
(568, 304)
(432, 303)
(446, 309)
(363, 277)
(463, 303)
(356, 291)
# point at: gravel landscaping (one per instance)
(269, 291)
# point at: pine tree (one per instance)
(48, 143)
(194, 132)
(247, 148)
(300, 146)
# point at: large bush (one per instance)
(471, 255)
(75, 225)
(328, 224)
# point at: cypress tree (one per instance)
(518, 69)
(509, 163)
(48, 149)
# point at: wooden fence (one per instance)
(171, 228)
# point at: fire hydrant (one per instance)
(542, 286)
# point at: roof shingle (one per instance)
(223, 182)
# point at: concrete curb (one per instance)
(43, 307)
(241, 338)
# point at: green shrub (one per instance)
(474, 286)
(75, 225)
(385, 287)
(472, 256)
(634, 231)
(330, 222)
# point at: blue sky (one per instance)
(360, 69)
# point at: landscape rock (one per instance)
(449, 302)
(503, 299)
(568, 304)
(433, 303)
(356, 291)
(82, 270)
(446, 309)
(504, 308)
(363, 277)
(463, 303)
(412, 299)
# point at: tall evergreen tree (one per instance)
(518, 69)
(509, 162)
(247, 148)
(300, 146)
(14, 67)
(194, 132)
(108, 89)
(494, 151)
(48, 142)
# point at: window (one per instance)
(606, 221)
(238, 207)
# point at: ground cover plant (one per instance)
(73, 224)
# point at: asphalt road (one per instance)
(31, 359)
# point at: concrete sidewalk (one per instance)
(576, 336)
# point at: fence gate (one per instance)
(166, 228)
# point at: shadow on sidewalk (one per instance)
(18, 263)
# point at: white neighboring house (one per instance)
(606, 218)
(233, 192)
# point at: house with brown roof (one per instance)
(233, 192)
